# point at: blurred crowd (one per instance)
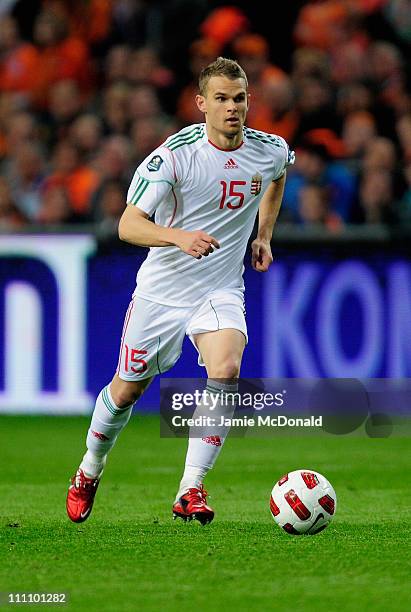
(88, 88)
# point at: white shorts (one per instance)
(153, 334)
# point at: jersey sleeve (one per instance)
(152, 181)
(286, 158)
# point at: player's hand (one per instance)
(261, 258)
(198, 244)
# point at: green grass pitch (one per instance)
(130, 555)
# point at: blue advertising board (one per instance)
(314, 314)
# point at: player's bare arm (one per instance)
(136, 228)
(269, 208)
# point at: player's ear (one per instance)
(201, 103)
(248, 101)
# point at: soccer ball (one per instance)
(303, 502)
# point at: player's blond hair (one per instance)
(222, 66)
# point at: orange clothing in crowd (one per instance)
(90, 21)
(66, 60)
(18, 69)
(80, 186)
(319, 25)
(223, 24)
(285, 126)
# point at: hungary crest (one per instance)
(256, 183)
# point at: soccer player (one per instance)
(205, 185)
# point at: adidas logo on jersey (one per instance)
(230, 165)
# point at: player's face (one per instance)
(225, 106)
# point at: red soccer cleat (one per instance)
(192, 505)
(80, 496)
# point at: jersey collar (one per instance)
(225, 150)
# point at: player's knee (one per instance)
(228, 369)
(126, 394)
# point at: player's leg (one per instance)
(150, 344)
(221, 352)
(111, 414)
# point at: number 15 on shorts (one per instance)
(133, 360)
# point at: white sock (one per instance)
(106, 423)
(204, 445)
(93, 465)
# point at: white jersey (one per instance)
(190, 183)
